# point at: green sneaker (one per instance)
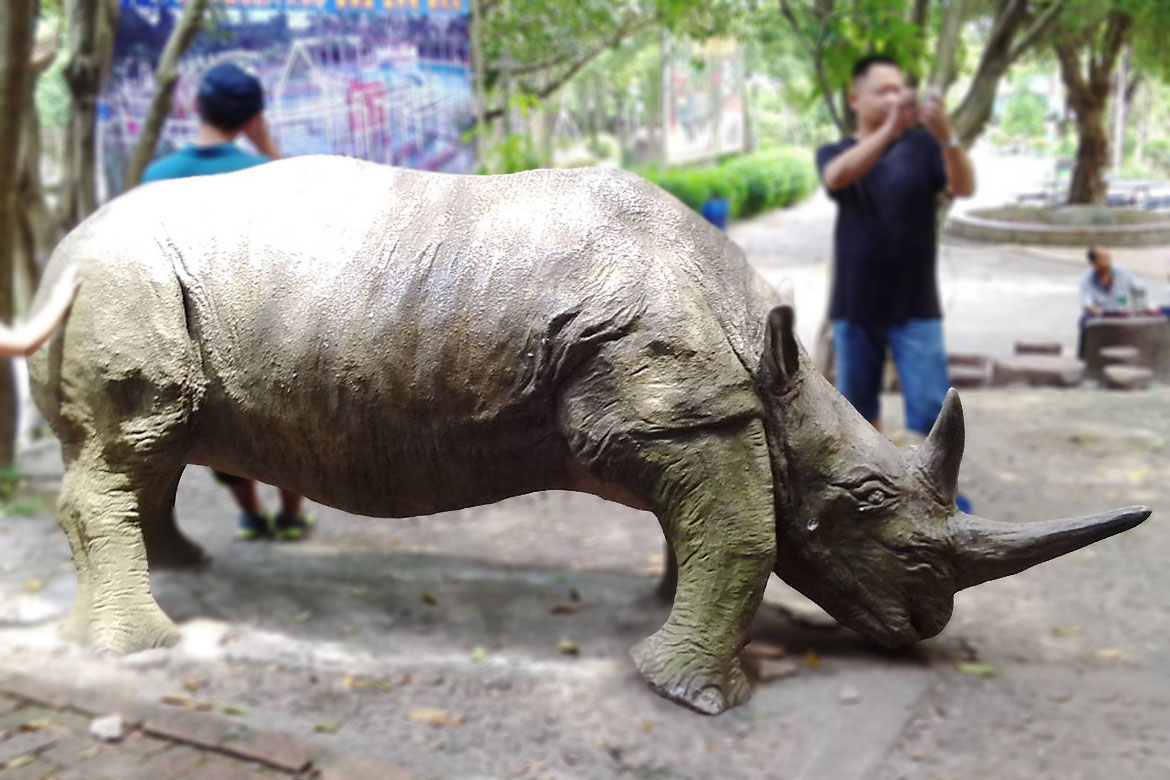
(251, 527)
(291, 528)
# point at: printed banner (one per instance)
(382, 80)
(703, 94)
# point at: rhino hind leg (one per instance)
(101, 508)
(668, 585)
(166, 546)
(712, 493)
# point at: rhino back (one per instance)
(353, 318)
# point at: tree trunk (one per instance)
(947, 46)
(35, 224)
(91, 25)
(1014, 32)
(166, 77)
(1088, 180)
(17, 26)
(1120, 110)
(1088, 95)
(476, 33)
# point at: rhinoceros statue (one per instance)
(397, 343)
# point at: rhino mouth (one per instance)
(891, 628)
(888, 625)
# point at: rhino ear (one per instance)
(781, 350)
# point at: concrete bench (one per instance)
(1118, 377)
(1119, 356)
(1149, 335)
(1039, 371)
(1039, 348)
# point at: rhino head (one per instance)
(870, 531)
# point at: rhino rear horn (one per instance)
(987, 550)
(781, 348)
(941, 454)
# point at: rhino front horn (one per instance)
(987, 550)
(942, 452)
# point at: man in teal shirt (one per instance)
(231, 104)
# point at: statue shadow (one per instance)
(377, 603)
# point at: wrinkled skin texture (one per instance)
(396, 343)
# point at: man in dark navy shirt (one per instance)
(887, 181)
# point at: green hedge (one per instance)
(753, 182)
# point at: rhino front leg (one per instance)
(712, 492)
(101, 508)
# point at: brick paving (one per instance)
(44, 735)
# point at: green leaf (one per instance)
(977, 669)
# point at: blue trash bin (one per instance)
(716, 211)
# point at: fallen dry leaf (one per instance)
(567, 647)
(34, 585)
(186, 702)
(565, 608)
(377, 683)
(1067, 631)
(428, 598)
(19, 761)
(191, 684)
(231, 709)
(648, 726)
(813, 659)
(436, 717)
(1139, 475)
(765, 650)
(1110, 654)
(40, 724)
(327, 727)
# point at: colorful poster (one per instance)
(382, 80)
(705, 109)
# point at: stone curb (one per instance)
(206, 731)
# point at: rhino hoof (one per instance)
(709, 701)
(671, 669)
(142, 629)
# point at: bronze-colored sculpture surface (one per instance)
(397, 343)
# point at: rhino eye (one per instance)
(873, 497)
(869, 492)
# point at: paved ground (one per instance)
(435, 644)
(47, 731)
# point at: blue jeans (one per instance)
(919, 355)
